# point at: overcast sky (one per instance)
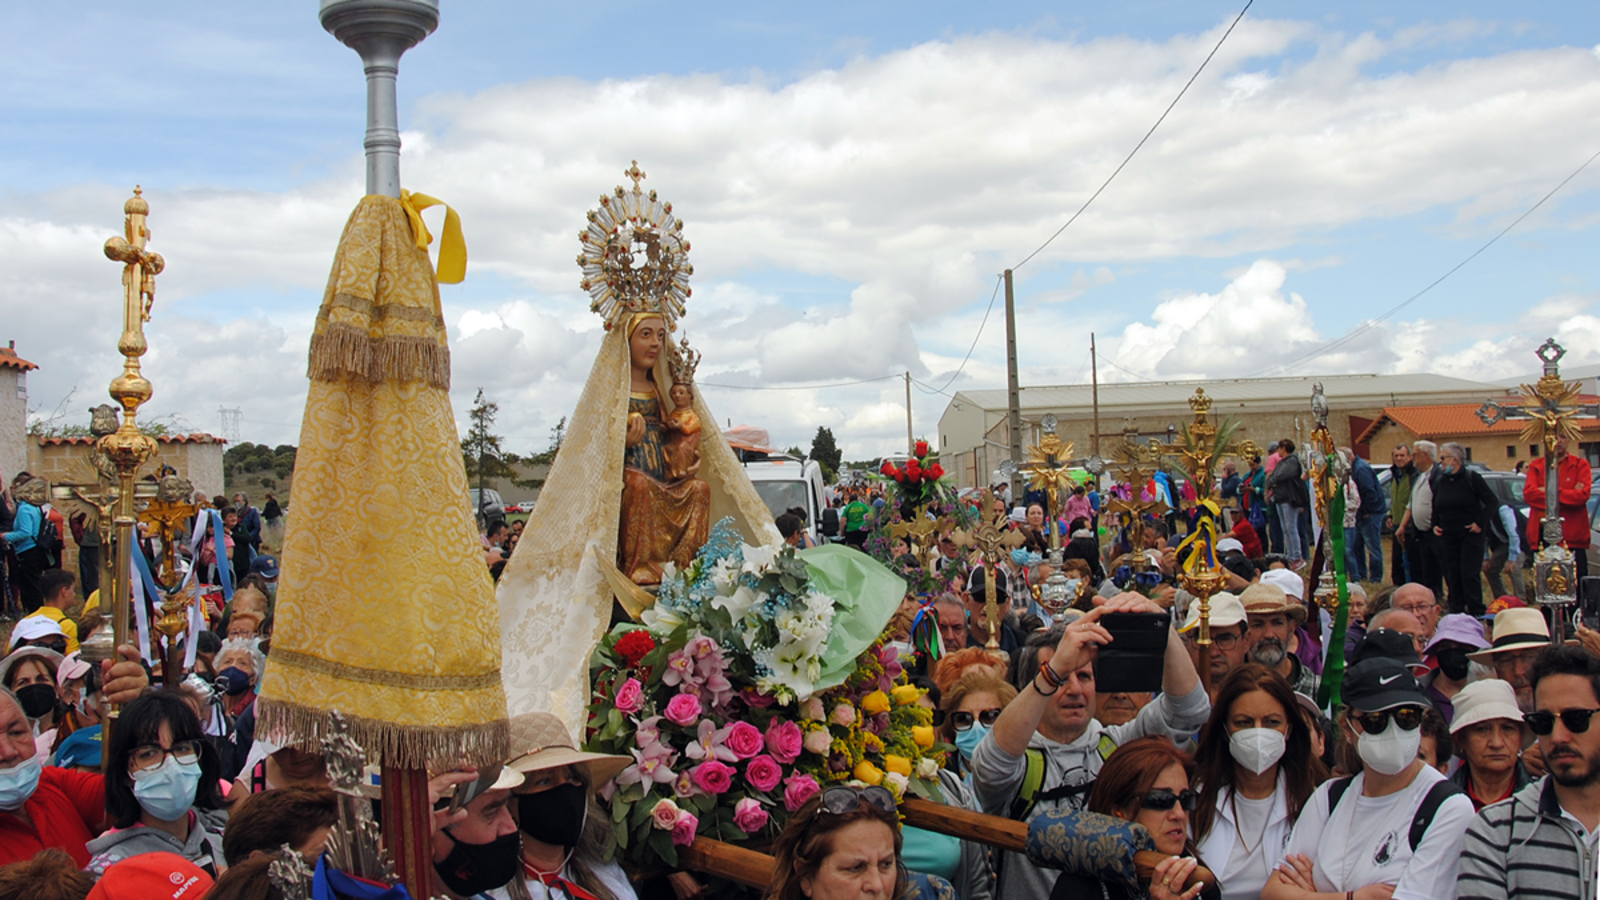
(853, 177)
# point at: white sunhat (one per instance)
(1226, 611)
(1483, 701)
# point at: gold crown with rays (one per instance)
(683, 362)
(635, 258)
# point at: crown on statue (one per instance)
(1200, 402)
(683, 362)
(635, 258)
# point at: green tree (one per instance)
(826, 451)
(557, 435)
(487, 462)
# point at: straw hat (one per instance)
(1515, 629)
(1266, 599)
(1483, 701)
(539, 741)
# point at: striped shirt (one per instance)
(1523, 847)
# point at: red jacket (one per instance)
(67, 810)
(1573, 484)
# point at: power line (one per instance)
(1373, 323)
(1142, 140)
(998, 280)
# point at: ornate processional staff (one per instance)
(1549, 410)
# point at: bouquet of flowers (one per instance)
(918, 482)
(716, 698)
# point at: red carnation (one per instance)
(633, 646)
(922, 448)
(937, 471)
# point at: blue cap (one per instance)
(81, 748)
(265, 566)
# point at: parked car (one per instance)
(487, 508)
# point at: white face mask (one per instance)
(1257, 749)
(1391, 751)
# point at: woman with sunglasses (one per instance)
(971, 705)
(841, 845)
(1145, 782)
(1393, 830)
(1256, 770)
(162, 792)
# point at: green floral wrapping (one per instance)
(1329, 695)
(1091, 844)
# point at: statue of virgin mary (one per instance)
(613, 496)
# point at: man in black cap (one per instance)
(977, 596)
(1399, 823)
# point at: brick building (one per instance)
(13, 411)
(1499, 446)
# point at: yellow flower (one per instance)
(907, 694)
(897, 764)
(871, 742)
(874, 703)
(868, 773)
(923, 735)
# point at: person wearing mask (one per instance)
(1401, 475)
(564, 833)
(1574, 482)
(1457, 636)
(1416, 526)
(1464, 509)
(78, 696)
(478, 849)
(1542, 842)
(1145, 782)
(161, 787)
(843, 844)
(1394, 829)
(1256, 768)
(239, 665)
(1289, 495)
(1487, 733)
(1051, 725)
(30, 672)
(971, 705)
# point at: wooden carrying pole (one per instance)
(752, 869)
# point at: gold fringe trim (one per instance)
(406, 680)
(364, 307)
(407, 747)
(340, 350)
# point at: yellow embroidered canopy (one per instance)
(385, 612)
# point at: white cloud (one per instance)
(907, 179)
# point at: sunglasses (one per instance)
(1163, 799)
(841, 800)
(1409, 718)
(961, 721)
(1575, 720)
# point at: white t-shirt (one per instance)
(1366, 840)
(1247, 867)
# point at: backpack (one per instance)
(1029, 795)
(1437, 795)
(48, 540)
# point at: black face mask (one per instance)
(37, 700)
(233, 681)
(1453, 662)
(476, 868)
(556, 816)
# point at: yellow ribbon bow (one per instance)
(452, 266)
(1203, 539)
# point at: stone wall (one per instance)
(13, 423)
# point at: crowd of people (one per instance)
(1460, 764)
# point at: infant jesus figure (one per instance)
(681, 427)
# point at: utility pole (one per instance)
(911, 442)
(1094, 380)
(1013, 393)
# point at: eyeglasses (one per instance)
(840, 800)
(1224, 641)
(1575, 720)
(1163, 799)
(963, 720)
(150, 756)
(1409, 718)
(58, 646)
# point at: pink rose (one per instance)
(784, 740)
(683, 709)
(811, 710)
(683, 830)
(797, 790)
(763, 773)
(743, 739)
(843, 714)
(755, 699)
(664, 814)
(713, 777)
(748, 816)
(630, 697)
(818, 741)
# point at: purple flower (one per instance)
(651, 767)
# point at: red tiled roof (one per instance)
(1455, 420)
(196, 438)
(10, 360)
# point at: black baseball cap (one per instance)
(1381, 683)
(1386, 643)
